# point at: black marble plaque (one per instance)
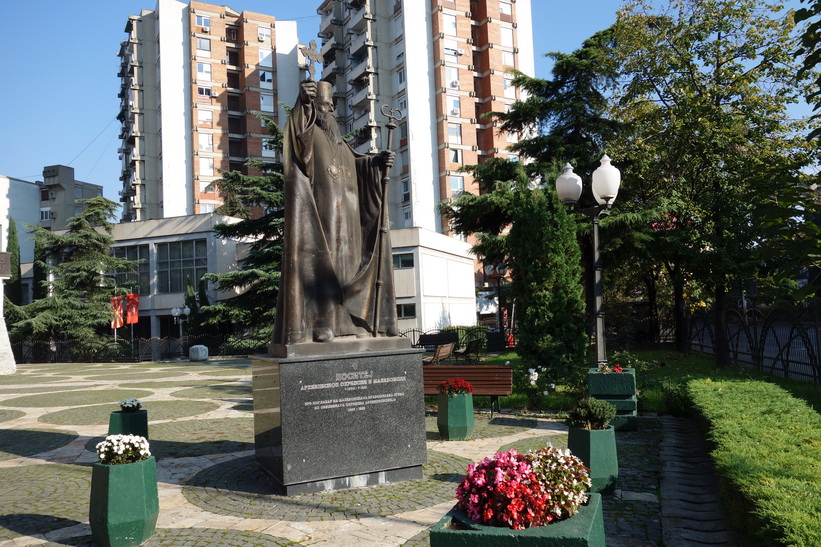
(331, 422)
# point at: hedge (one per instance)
(767, 450)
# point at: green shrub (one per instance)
(591, 413)
(767, 448)
(676, 399)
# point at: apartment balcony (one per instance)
(359, 20)
(328, 24)
(364, 121)
(358, 44)
(330, 71)
(361, 97)
(360, 73)
(329, 48)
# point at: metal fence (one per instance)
(783, 341)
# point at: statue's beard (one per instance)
(327, 122)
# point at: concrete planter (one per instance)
(597, 449)
(617, 384)
(618, 389)
(128, 423)
(586, 528)
(455, 416)
(124, 503)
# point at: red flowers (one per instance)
(455, 386)
(617, 368)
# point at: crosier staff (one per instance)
(393, 116)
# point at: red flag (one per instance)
(117, 312)
(132, 308)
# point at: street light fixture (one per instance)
(180, 316)
(605, 187)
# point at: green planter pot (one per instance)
(585, 528)
(455, 416)
(124, 504)
(597, 449)
(128, 423)
(617, 384)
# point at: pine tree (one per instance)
(258, 201)
(77, 305)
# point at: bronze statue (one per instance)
(337, 278)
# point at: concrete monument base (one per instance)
(329, 422)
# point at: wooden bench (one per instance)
(487, 380)
(441, 353)
(472, 348)
(430, 341)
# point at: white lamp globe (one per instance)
(606, 181)
(569, 186)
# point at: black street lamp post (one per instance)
(605, 187)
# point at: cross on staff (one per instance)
(312, 56)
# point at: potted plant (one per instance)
(593, 439)
(124, 504)
(616, 385)
(131, 419)
(455, 414)
(514, 499)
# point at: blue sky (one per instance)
(59, 85)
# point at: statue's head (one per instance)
(325, 97)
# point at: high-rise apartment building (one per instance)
(442, 63)
(193, 78)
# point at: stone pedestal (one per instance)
(334, 421)
(7, 363)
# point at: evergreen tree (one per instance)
(77, 305)
(544, 259)
(257, 200)
(39, 288)
(13, 286)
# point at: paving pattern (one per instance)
(213, 493)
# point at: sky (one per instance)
(59, 84)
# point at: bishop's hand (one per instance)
(386, 158)
(307, 90)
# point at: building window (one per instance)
(232, 57)
(266, 102)
(207, 167)
(454, 133)
(232, 79)
(268, 150)
(204, 71)
(206, 142)
(451, 51)
(207, 186)
(78, 192)
(204, 94)
(457, 185)
(452, 77)
(203, 21)
(510, 91)
(264, 34)
(207, 208)
(405, 311)
(266, 79)
(405, 191)
(45, 213)
(265, 57)
(512, 157)
(181, 264)
(455, 155)
(512, 136)
(231, 34)
(407, 217)
(400, 76)
(506, 11)
(454, 105)
(449, 24)
(507, 36)
(402, 261)
(139, 280)
(44, 194)
(203, 46)
(403, 132)
(205, 117)
(508, 59)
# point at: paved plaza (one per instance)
(212, 492)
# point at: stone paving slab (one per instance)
(213, 493)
